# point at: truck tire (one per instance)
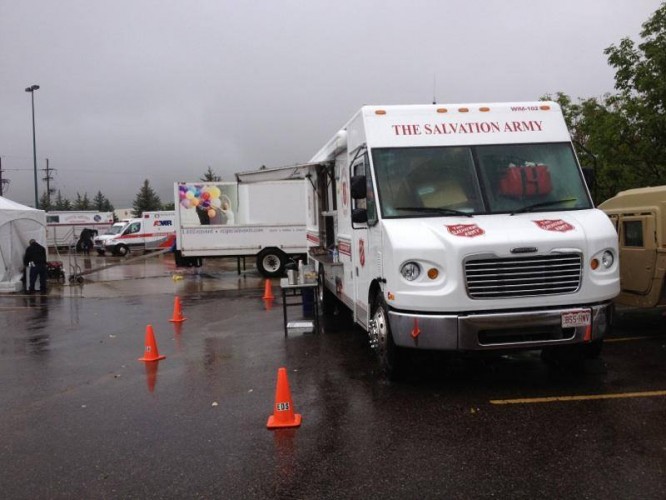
(389, 355)
(121, 250)
(271, 262)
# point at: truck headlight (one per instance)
(410, 271)
(607, 259)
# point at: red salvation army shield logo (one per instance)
(554, 225)
(465, 230)
(361, 252)
(344, 188)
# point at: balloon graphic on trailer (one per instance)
(199, 196)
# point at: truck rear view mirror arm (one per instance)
(358, 187)
(590, 178)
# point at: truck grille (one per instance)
(523, 276)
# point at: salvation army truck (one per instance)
(262, 216)
(151, 231)
(462, 228)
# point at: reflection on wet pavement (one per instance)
(107, 276)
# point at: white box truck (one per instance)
(151, 231)
(63, 228)
(262, 215)
(462, 228)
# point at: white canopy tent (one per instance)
(18, 225)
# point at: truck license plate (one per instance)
(572, 319)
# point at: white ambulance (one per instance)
(462, 228)
(151, 231)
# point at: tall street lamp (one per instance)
(32, 89)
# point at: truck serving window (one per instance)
(464, 180)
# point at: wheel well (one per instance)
(375, 288)
(275, 250)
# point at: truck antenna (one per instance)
(434, 88)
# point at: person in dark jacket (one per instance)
(85, 242)
(35, 260)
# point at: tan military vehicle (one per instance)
(639, 216)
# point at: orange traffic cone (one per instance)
(151, 353)
(268, 304)
(283, 413)
(177, 313)
(268, 293)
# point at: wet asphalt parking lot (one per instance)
(81, 417)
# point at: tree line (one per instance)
(99, 203)
(146, 200)
(622, 135)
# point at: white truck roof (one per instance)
(451, 124)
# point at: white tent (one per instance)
(18, 225)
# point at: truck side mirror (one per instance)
(358, 189)
(359, 216)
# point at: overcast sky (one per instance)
(162, 89)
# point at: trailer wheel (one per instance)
(390, 356)
(121, 250)
(271, 262)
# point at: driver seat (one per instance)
(443, 194)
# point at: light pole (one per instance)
(32, 89)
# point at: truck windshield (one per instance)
(116, 229)
(469, 180)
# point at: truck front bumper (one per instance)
(533, 329)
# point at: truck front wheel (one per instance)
(271, 262)
(390, 356)
(121, 250)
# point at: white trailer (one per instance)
(262, 215)
(462, 228)
(63, 228)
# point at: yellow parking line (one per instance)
(628, 339)
(554, 399)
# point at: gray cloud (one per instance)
(160, 90)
